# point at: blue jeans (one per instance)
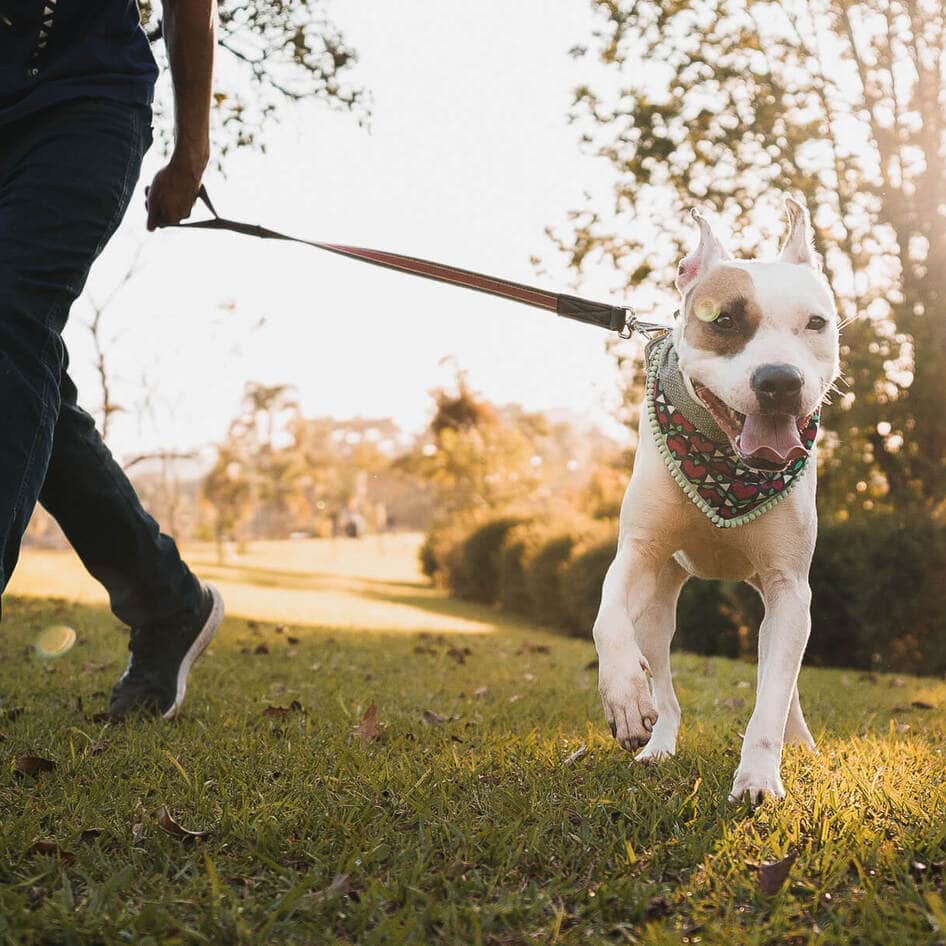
(66, 177)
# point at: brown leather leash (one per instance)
(620, 319)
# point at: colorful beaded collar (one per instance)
(699, 456)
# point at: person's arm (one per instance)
(189, 37)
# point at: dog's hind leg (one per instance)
(655, 629)
(796, 729)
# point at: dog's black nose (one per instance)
(778, 388)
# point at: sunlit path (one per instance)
(344, 584)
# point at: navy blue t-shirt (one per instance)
(55, 50)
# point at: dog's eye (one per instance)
(724, 322)
(816, 323)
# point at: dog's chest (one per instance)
(715, 558)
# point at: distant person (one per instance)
(76, 85)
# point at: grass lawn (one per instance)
(460, 820)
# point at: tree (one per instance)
(272, 53)
(724, 103)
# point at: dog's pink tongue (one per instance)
(771, 437)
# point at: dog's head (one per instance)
(758, 341)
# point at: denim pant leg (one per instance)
(90, 497)
(66, 177)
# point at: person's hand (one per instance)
(172, 193)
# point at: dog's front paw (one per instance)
(628, 706)
(757, 783)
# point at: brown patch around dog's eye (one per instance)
(730, 292)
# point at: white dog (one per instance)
(724, 487)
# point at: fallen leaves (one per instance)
(773, 874)
(33, 765)
(279, 711)
(576, 756)
(368, 729)
(168, 824)
(48, 848)
(435, 719)
(340, 886)
(529, 648)
(459, 654)
(733, 702)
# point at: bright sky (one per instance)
(469, 157)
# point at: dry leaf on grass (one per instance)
(435, 719)
(33, 765)
(459, 654)
(50, 849)
(922, 705)
(480, 692)
(14, 712)
(105, 717)
(772, 876)
(576, 756)
(529, 648)
(261, 649)
(368, 729)
(169, 826)
(277, 711)
(734, 702)
(339, 887)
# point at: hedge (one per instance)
(879, 588)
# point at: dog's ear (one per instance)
(799, 241)
(709, 251)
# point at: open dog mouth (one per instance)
(762, 441)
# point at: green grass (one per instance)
(471, 831)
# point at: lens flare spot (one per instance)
(55, 641)
(706, 310)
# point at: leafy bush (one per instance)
(544, 580)
(516, 553)
(474, 566)
(879, 595)
(582, 584)
(707, 621)
(879, 588)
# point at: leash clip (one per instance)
(649, 330)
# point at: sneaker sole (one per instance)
(205, 636)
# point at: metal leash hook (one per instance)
(633, 324)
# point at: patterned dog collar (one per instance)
(698, 454)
